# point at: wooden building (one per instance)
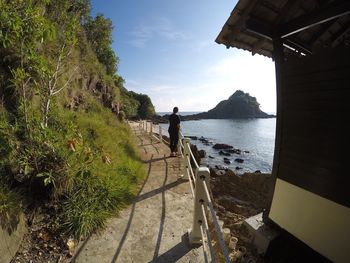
(310, 43)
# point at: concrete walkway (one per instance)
(154, 228)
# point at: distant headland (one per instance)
(239, 105)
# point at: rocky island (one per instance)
(239, 105)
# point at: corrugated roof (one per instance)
(304, 26)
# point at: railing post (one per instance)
(160, 133)
(200, 197)
(151, 130)
(179, 145)
(186, 165)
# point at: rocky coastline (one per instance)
(236, 198)
(229, 154)
(226, 155)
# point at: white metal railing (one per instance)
(199, 179)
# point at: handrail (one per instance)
(206, 227)
(194, 160)
(191, 181)
(181, 144)
(205, 253)
(198, 181)
(216, 223)
(190, 167)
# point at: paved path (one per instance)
(154, 228)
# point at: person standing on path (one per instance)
(174, 128)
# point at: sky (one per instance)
(167, 50)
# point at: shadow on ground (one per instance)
(175, 253)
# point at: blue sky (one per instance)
(167, 50)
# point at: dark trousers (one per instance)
(174, 140)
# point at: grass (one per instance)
(103, 169)
(86, 160)
(10, 206)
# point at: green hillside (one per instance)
(62, 105)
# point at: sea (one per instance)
(254, 137)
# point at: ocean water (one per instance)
(183, 113)
(254, 135)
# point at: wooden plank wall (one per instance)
(314, 151)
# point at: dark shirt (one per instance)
(174, 121)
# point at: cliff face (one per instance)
(239, 105)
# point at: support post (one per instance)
(200, 197)
(151, 129)
(278, 56)
(179, 144)
(185, 142)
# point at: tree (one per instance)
(51, 73)
(99, 34)
(22, 29)
(146, 108)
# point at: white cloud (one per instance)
(157, 28)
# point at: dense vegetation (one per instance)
(62, 106)
(238, 105)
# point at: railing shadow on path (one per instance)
(160, 190)
(155, 147)
(162, 218)
(127, 226)
(126, 231)
(141, 143)
(148, 144)
(152, 141)
(157, 159)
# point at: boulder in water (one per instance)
(203, 140)
(239, 160)
(224, 153)
(236, 151)
(222, 146)
(226, 160)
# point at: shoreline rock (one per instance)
(222, 146)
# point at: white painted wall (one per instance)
(320, 223)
